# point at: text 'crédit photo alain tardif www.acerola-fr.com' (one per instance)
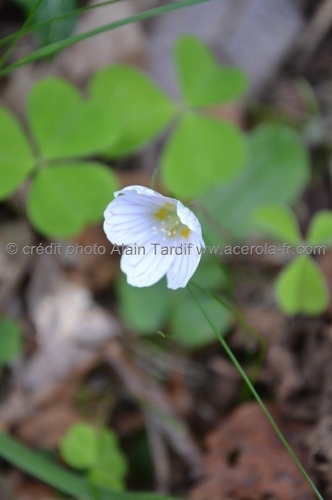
(160, 249)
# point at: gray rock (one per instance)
(255, 35)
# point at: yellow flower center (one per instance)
(170, 221)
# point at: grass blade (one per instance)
(50, 473)
(38, 467)
(20, 33)
(255, 394)
(27, 29)
(57, 46)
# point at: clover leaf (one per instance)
(97, 451)
(276, 172)
(64, 125)
(201, 151)
(301, 287)
(65, 197)
(203, 81)
(278, 222)
(139, 107)
(320, 229)
(16, 157)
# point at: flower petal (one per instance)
(127, 222)
(188, 218)
(142, 191)
(139, 190)
(146, 270)
(184, 266)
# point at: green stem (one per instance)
(243, 322)
(225, 233)
(20, 33)
(62, 44)
(257, 397)
(75, 12)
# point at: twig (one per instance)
(152, 400)
(159, 454)
(314, 33)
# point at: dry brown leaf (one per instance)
(246, 460)
(95, 271)
(13, 266)
(69, 325)
(45, 429)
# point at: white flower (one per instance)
(169, 232)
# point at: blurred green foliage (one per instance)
(56, 30)
(10, 341)
(147, 310)
(277, 171)
(97, 452)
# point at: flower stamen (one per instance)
(185, 232)
(170, 221)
